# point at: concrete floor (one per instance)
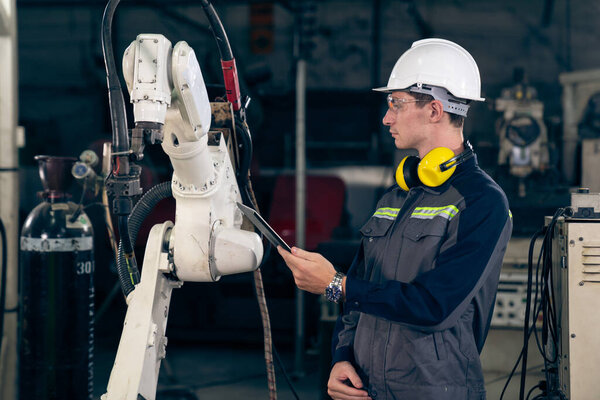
(501, 350)
(220, 371)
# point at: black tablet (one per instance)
(262, 226)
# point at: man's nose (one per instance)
(389, 118)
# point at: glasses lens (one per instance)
(393, 104)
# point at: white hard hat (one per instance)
(437, 62)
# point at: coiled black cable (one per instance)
(142, 209)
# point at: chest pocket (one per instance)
(376, 227)
(418, 229)
(421, 243)
(375, 236)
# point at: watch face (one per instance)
(333, 293)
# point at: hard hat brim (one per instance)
(387, 89)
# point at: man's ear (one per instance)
(437, 111)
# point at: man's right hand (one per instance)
(337, 387)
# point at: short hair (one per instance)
(456, 120)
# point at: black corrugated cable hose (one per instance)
(126, 265)
(245, 141)
(142, 209)
(116, 100)
(130, 273)
(218, 31)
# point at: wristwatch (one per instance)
(333, 292)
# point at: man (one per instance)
(420, 293)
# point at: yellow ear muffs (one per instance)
(429, 171)
(406, 173)
(433, 170)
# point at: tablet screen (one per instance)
(263, 227)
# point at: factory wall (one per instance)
(62, 80)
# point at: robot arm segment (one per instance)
(191, 91)
(167, 88)
(143, 342)
(207, 241)
(146, 65)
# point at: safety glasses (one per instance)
(396, 104)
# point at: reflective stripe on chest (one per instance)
(387, 213)
(447, 212)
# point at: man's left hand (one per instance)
(312, 272)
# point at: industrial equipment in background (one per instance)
(563, 289)
(522, 132)
(83, 171)
(509, 310)
(575, 293)
(581, 128)
(528, 163)
(85, 174)
(56, 315)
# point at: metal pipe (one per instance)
(375, 107)
(9, 193)
(300, 203)
(570, 135)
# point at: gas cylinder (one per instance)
(56, 314)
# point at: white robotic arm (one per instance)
(167, 89)
(206, 241)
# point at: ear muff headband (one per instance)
(459, 159)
